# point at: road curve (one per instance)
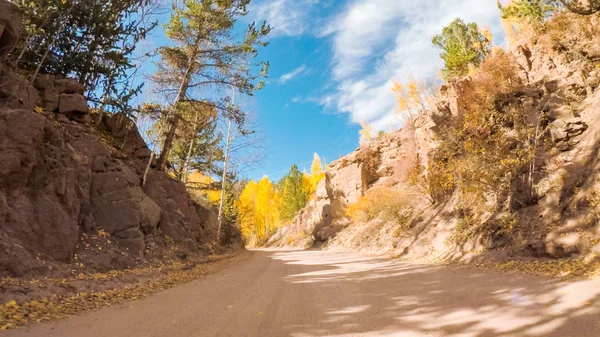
(324, 293)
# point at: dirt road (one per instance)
(320, 293)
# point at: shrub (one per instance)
(489, 143)
(566, 31)
(418, 179)
(386, 203)
(535, 12)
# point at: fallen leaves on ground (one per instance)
(557, 268)
(13, 314)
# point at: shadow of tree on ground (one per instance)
(371, 296)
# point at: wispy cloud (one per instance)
(374, 41)
(294, 73)
(287, 17)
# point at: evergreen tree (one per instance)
(463, 46)
(533, 11)
(205, 54)
(293, 196)
(197, 146)
(92, 41)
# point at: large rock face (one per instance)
(71, 192)
(385, 162)
(10, 26)
(561, 89)
(61, 179)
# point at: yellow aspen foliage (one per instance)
(259, 210)
(485, 31)
(202, 182)
(510, 25)
(411, 98)
(306, 184)
(486, 44)
(366, 133)
(247, 210)
(310, 181)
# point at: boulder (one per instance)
(68, 86)
(179, 217)
(131, 240)
(325, 233)
(48, 92)
(69, 104)
(60, 180)
(11, 18)
(15, 90)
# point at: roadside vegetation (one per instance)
(490, 148)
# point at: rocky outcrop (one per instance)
(61, 179)
(71, 193)
(385, 162)
(556, 218)
(10, 26)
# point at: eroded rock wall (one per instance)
(561, 81)
(71, 192)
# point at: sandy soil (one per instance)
(324, 293)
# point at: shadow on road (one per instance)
(384, 297)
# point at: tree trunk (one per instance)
(168, 144)
(186, 164)
(223, 181)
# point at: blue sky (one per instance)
(332, 66)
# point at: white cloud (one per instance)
(375, 41)
(287, 17)
(296, 72)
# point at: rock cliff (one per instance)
(71, 192)
(561, 79)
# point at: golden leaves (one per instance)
(310, 181)
(366, 133)
(412, 98)
(56, 306)
(559, 268)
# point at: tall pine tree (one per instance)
(463, 46)
(206, 54)
(293, 196)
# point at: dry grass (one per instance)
(385, 203)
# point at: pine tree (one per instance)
(197, 145)
(293, 196)
(533, 11)
(463, 46)
(92, 41)
(205, 54)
